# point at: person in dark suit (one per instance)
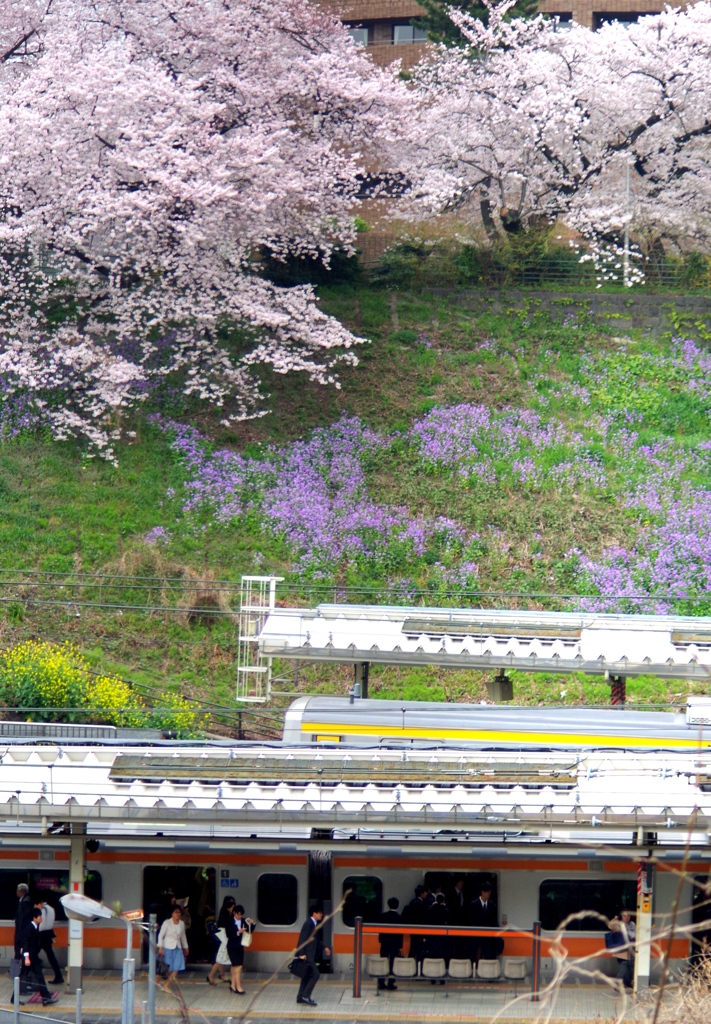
(390, 945)
(23, 915)
(415, 912)
(459, 909)
(31, 955)
(310, 951)
(437, 946)
(483, 914)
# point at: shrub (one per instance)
(175, 714)
(44, 676)
(112, 701)
(52, 681)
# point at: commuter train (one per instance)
(420, 724)
(276, 875)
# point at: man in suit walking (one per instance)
(390, 945)
(31, 956)
(482, 914)
(311, 950)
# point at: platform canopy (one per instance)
(331, 789)
(596, 644)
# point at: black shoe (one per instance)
(57, 981)
(305, 999)
(392, 988)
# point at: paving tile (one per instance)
(276, 1001)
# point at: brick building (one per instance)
(386, 26)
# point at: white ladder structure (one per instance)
(254, 674)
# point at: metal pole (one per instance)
(536, 965)
(357, 951)
(144, 1012)
(626, 271)
(129, 979)
(16, 999)
(152, 937)
(78, 1013)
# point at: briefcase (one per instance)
(298, 967)
(15, 968)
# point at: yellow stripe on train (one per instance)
(322, 729)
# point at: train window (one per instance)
(48, 883)
(558, 899)
(365, 899)
(473, 880)
(277, 899)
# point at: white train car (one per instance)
(275, 882)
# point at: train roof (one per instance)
(334, 789)
(589, 642)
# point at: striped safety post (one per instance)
(536, 963)
(357, 955)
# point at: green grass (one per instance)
(62, 513)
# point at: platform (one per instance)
(277, 1001)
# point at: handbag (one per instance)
(614, 939)
(246, 939)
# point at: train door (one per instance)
(193, 887)
(320, 891)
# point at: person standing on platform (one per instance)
(390, 945)
(624, 954)
(416, 913)
(458, 908)
(173, 944)
(31, 957)
(47, 937)
(222, 957)
(310, 951)
(482, 914)
(437, 946)
(237, 927)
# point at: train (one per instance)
(276, 876)
(276, 871)
(424, 724)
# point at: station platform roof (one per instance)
(589, 642)
(390, 793)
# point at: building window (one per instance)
(359, 36)
(625, 18)
(48, 883)
(365, 899)
(277, 899)
(558, 899)
(408, 34)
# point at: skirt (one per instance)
(174, 959)
(236, 953)
(222, 957)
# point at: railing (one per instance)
(446, 931)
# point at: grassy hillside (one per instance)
(556, 461)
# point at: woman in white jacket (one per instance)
(173, 943)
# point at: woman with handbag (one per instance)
(222, 957)
(239, 936)
(173, 944)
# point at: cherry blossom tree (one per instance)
(533, 119)
(148, 149)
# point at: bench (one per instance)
(435, 969)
